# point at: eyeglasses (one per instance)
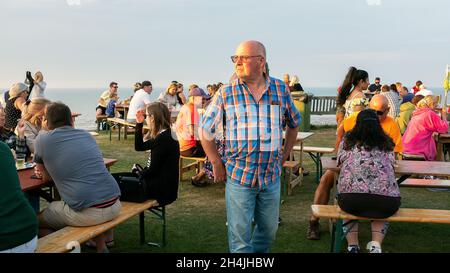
(115, 86)
(243, 58)
(380, 113)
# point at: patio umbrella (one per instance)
(446, 85)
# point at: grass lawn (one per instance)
(196, 221)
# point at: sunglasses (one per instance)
(380, 113)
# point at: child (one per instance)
(111, 107)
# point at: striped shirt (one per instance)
(253, 130)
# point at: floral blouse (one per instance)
(365, 171)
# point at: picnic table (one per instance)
(27, 183)
(404, 167)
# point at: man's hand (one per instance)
(37, 172)
(219, 172)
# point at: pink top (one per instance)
(187, 116)
(418, 137)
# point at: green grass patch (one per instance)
(196, 221)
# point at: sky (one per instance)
(89, 43)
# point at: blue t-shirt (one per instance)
(74, 161)
(110, 108)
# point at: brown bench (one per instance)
(289, 183)
(402, 215)
(197, 164)
(121, 122)
(65, 239)
(316, 153)
(417, 157)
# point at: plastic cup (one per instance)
(20, 161)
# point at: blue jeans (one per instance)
(245, 204)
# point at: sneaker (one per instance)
(313, 230)
(353, 249)
(374, 247)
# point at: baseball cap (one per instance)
(16, 89)
(197, 91)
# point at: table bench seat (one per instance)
(402, 215)
(59, 240)
(197, 164)
(426, 183)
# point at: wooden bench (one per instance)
(63, 239)
(316, 154)
(197, 164)
(402, 215)
(290, 183)
(119, 122)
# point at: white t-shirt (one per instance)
(139, 100)
(38, 90)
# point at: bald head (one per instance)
(252, 46)
(380, 104)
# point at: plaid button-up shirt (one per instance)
(253, 130)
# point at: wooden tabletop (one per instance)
(301, 135)
(434, 168)
(27, 183)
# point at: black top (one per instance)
(162, 174)
(374, 87)
(12, 114)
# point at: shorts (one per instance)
(369, 205)
(59, 215)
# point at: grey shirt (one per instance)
(74, 161)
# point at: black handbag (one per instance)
(132, 186)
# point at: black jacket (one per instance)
(162, 175)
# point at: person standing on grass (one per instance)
(253, 106)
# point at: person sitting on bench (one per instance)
(72, 159)
(367, 185)
(187, 131)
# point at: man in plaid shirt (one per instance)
(254, 108)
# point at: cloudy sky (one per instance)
(88, 43)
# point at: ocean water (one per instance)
(84, 101)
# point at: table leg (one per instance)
(440, 151)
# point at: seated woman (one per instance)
(367, 185)
(18, 222)
(169, 97)
(418, 137)
(13, 109)
(33, 114)
(161, 172)
(15, 142)
(187, 131)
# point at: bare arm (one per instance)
(291, 138)
(209, 146)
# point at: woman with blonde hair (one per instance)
(169, 97)
(32, 115)
(418, 137)
(39, 86)
(161, 171)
